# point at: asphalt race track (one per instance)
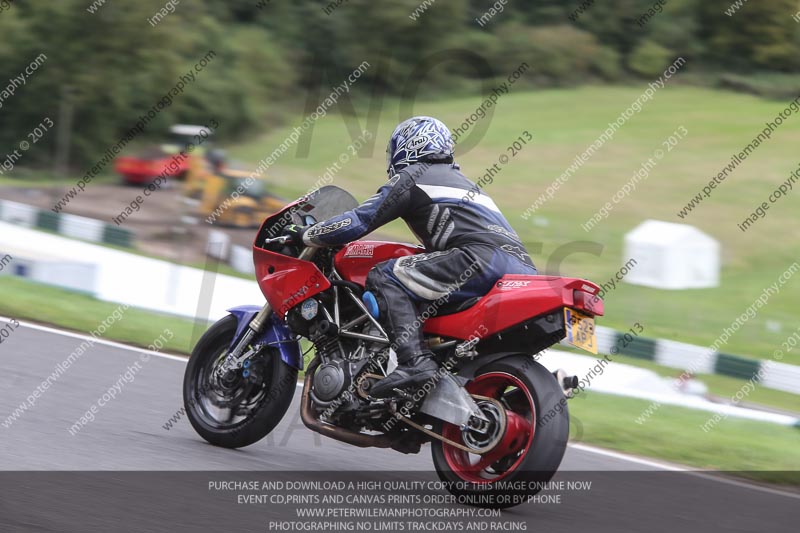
(79, 483)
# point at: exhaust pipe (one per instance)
(311, 421)
(567, 383)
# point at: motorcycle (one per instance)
(496, 419)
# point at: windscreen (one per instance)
(317, 206)
(327, 202)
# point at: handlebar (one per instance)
(283, 239)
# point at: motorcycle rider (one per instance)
(460, 226)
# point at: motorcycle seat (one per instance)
(451, 308)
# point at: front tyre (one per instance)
(234, 410)
(529, 452)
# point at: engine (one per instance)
(331, 380)
(341, 359)
(334, 388)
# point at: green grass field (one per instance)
(725, 387)
(23, 299)
(756, 450)
(563, 123)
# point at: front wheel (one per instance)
(534, 427)
(235, 410)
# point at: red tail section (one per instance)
(515, 299)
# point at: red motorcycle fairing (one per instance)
(356, 259)
(286, 281)
(514, 299)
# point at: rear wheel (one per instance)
(533, 431)
(239, 408)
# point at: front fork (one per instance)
(239, 356)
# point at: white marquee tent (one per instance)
(672, 256)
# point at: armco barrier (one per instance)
(738, 367)
(242, 259)
(106, 274)
(47, 220)
(700, 360)
(780, 376)
(74, 226)
(19, 214)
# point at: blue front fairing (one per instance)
(276, 334)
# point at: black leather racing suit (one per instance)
(469, 246)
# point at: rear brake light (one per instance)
(588, 302)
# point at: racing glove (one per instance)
(295, 232)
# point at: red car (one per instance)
(142, 170)
(164, 160)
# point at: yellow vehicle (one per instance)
(198, 171)
(227, 198)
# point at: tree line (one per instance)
(106, 66)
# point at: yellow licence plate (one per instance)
(580, 330)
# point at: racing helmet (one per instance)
(418, 139)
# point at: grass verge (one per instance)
(23, 299)
(755, 450)
(724, 387)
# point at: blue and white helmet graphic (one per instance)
(418, 139)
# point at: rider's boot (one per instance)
(415, 364)
(410, 373)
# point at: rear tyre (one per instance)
(235, 410)
(530, 451)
